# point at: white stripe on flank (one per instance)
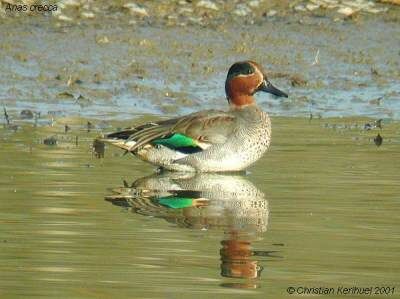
(120, 143)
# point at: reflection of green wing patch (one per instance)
(176, 141)
(175, 202)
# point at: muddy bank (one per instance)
(124, 65)
(197, 12)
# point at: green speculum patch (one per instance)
(176, 202)
(178, 142)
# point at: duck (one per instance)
(208, 140)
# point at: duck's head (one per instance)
(244, 79)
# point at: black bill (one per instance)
(268, 87)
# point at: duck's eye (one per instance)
(249, 71)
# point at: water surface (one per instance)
(321, 209)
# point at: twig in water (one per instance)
(89, 126)
(316, 59)
(6, 116)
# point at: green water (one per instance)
(321, 209)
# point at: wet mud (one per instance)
(123, 64)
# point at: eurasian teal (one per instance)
(210, 140)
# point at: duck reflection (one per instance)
(228, 203)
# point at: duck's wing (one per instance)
(200, 129)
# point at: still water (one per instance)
(321, 209)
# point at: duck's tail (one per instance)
(120, 139)
(121, 143)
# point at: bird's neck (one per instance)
(241, 100)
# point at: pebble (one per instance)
(136, 9)
(207, 4)
(65, 18)
(347, 11)
(254, 3)
(242, 10)
(26, 114)
(196, 20)
(272, 13)
(73, 3)
(326, 3)
(87, 15)
(102, 40)
(300, 8)
(185, 10)
(312, 7)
